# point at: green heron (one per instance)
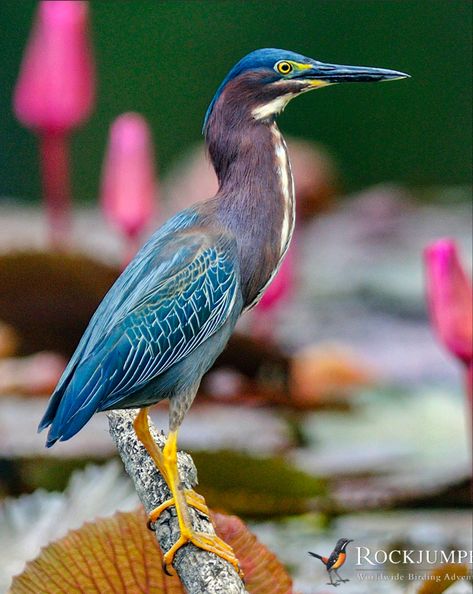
(171, 312)
(335, 561)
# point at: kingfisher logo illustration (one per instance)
(335, 561)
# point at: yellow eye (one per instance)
(284, 67)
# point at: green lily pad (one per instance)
(256, 486)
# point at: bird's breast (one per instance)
(286, 183)
(340, 561)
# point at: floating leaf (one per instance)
(264, 573)
(120, 555)
(256, 486)
(67, 289)
(442, 577)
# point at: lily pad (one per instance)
(48, 298)
(120, 555)
(256, 486)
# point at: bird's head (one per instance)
(342, 543)
(263, 82)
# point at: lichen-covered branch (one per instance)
(200, 572)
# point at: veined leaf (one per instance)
(119, 555)
(264, 573)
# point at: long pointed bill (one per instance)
(335, 73)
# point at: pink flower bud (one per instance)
(128, 180)
(450, 298)
(55, 88)
(469, 383)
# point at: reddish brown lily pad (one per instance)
(119, 555)
(48, 298)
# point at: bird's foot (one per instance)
(166, 462)
(207, 542)
(334, 584)
(192, 498)
(343, 581)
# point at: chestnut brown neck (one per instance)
(255, 199)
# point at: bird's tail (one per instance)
(73, 404)
(317, 556)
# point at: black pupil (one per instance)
(285, 67)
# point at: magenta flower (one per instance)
(55, 89)
(129, 186)
(54, 94)
(450, 299)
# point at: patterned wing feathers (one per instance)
(157, 325)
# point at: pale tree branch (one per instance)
(199, 571)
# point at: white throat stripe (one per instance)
(273, 107)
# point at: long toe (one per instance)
(196, 501)
(207, 542)
(192, 498)
(157, 511)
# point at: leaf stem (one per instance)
(54, 153)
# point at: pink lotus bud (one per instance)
(469, 383)
(55, 89)
(128, 180)
(450, 298)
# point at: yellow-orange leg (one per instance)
(143, 433)
(166, 462)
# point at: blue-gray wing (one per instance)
(178, 301)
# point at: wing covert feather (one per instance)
(165, 318)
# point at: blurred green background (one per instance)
(166, 58)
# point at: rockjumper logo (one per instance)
(335, 561)
(419, 564)
(367, 557)
(409, 565)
